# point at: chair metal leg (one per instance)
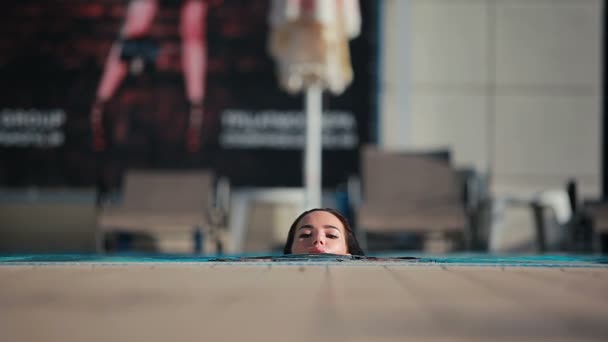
(197, 239)
(99, 243)
(540, 226)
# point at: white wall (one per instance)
(513, 87)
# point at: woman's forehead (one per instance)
(321, 218)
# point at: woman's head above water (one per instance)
(321, 231)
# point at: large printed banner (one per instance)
(89, 88)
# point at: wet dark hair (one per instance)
(352, 245)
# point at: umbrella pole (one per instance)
(313, 149)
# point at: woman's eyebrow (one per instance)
(309, 226)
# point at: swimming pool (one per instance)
(394, 259)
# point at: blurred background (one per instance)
(174, 127)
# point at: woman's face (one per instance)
(319, 232)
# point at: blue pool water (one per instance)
(393, 259)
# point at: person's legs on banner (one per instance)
(194, 63)
(140, 15)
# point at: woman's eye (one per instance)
(332, 236)
(305, 235)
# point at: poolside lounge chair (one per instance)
(410, 192)
(165, 202)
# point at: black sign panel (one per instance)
(91, 88)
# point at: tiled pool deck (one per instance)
(186, 298)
